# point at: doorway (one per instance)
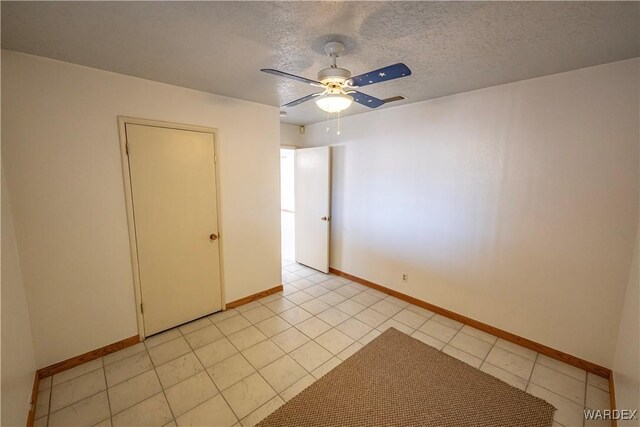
(287, 204)
(170, 174)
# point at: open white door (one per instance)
(312, 206)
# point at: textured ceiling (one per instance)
(219, 47)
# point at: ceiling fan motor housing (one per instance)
(333, 75)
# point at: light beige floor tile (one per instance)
(325, 367)
(262, 412)
(392, 323)
(332, 284)
(409, 318)
(438, 331)
(263, 353)
(289, 277)
(510, 362)
(369, 337)
(311, 355)
(481, 335)
(372, 317)
(333, 316)
(215, 352)
(86, 412)
(558, 383)
(397, 301)
(597, 398)
(318, 277)
(332, 298)
(179, 369)
(162, 338)
(376, 293)
(463, 356)
(249, 306)
(42, 405)
(295, 315)
(294, 267)
(566, 369)
(288, 289)
(203, 336)
(126, 368)
(151, 412)
(213, 412)
(270, 298)
(123, 354)
(334, 341)
(505, 376)
(280, 305)
(349, 351)
(233, 325)
(247, 395)
(351, 307)
(272, 326)
(316, 290)
(354, 328)
(344, 280)
(134, 390)
(387, 308)
(44, 383)
(313, 327)
(194, 325)
(171, 424)
(474, 346)
(429, 340)
(348, 291)
(306, 272)
(568, 412)
(223, 315)
(77, 371)
(296, 388)
(76, 389)
(448, 322)
(41, 422)
(282, 373)
(299, 297)
(258, 314)
(315, 306)
(517, 349)
(598, 381)
(246, 338)
(302, 284)
(188, 394)
(421, 311)
(365, 299)
(290, 339)
(230, 371)
(169, 351)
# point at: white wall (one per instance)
(516, 205)
(290, 135)
(62, 158)
(18, 360)
(626, 364)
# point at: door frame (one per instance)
(133, 245)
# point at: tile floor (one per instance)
(236, 367)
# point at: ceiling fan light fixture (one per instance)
(334, 103)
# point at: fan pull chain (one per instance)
(338, 132)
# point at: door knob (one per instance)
(213, 237)
(324, 218)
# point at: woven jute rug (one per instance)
(396, 380)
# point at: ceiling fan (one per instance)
(339, 87)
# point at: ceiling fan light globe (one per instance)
(334, 103)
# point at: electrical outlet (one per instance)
(405, 277)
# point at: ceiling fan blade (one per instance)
(367, 100)
(391, 72)
(290, 76)
(301, 100)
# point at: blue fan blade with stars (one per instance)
(301, 100)
(366, 100)
(391, 72)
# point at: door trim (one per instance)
(122, 122)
